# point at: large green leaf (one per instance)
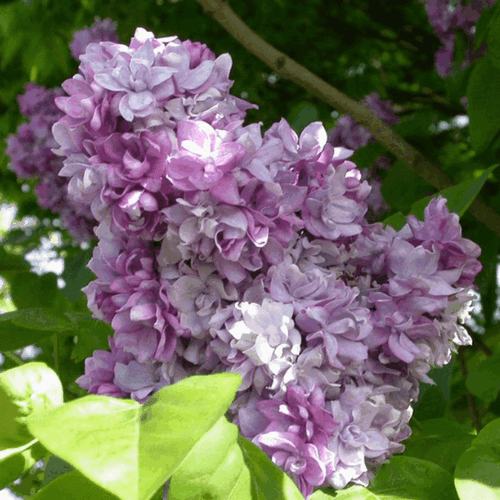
(403, 478)
(25, 391)
(129, 449)
(440, 441)
(483, 95)
(223, 476)
(477, 474)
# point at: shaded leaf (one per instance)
(483, 95)
(402, 478)
(29, 290)
(477, 474)
(75, 486)
(14, 462)
(440, 441)
(484, 381)
(458, 197)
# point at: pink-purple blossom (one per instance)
(100, 31)
(223, 247)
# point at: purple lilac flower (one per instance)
(369, 432)
(225, 248)
(100, 31)
(119, 374)
(347, 133)
(129, 295)
(446, 19)
(31, 155)
(295, 434)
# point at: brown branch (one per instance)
(281, 63)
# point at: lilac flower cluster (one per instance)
(31, 148)
(226, 248)
(100, 31)
(348, 134)
(30, 152)
(446, 19)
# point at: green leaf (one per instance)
(118, 444)
(28, 326)
(77, 275)
(494, 35)
(56, 467)
(484, 381)
(225, 475)
(458, 197)
(302, 115)
(440, 441)
(14, 462)
(402, 186)
(29, 290)
(269, 481)
(366, 156)
(477, 474)
(24, 391)
(483, 25)
(483, 95)
(402, 478)
(10, 262)
(397, 221)
(38, 318)
(92, 335)
(431, 404)
(74, 486)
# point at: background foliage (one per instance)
(358, 46)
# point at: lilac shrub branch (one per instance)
(286, 66)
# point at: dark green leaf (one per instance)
(14, 462)
(30, 290)
(484, 381)
(56, 467)
(483, 94)
(440, 441)
(77, 275)
(302, 115)
(458, 197)
(75, 486)
(403, 478)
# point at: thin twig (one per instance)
(14, 358)
(477, 340)
(473, 411)
(221, 11)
